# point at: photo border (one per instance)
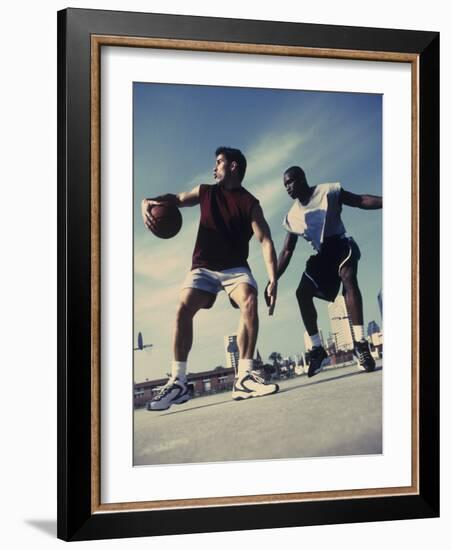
(81, 35)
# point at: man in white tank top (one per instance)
(316, 216)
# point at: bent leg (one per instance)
(353, 299)
(191, 300)
(352, 294)
(305, 294)
(245, 296)
(247, 383)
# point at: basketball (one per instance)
(166, 220)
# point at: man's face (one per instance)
(294, 184)
(222, 170)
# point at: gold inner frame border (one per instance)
(97, 41)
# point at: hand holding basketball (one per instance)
(162, 218)
(146, 206)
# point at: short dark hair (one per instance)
(234, 155)
(296, 171)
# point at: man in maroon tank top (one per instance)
(229, 216)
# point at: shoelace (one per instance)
(256, 377)
(363, 354)
(163, 390)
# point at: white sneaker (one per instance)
(252, 385)
(173, 392)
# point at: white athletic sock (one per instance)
(244, 366)
(178, 370)
(316, 340)
(358, 333)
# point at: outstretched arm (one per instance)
(263, 234)
(187, 198)
(366, 202)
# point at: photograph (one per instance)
(257, 274)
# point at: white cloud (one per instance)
(154, 301)
(156, 266)
(166, 261)
(272, 153)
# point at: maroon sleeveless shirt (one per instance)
(224, 229)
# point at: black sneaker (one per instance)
(318, 356)
(363, 354)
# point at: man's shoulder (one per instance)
(294, 212)
(333, 187)
(205, 186)
(248, 196)
(247, 192)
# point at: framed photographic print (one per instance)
(248, 274)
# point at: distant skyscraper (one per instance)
(232, 352)
(379, 300)
(341, 325)
(372, 328)
(331, 344)
(377, 339)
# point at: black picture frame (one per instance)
(78, 518)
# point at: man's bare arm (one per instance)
(284, 259)
(186, 198)
(366, 202)
(263, 235)
(285, 255)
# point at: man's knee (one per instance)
(305, 291)
(249, 304)
(185, 311)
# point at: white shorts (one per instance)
(215, 281)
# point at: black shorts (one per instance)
(323, 269)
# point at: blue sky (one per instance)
(333, 136)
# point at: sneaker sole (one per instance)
(241, 396)
(364, 369)
(178, 401)
(322, 367)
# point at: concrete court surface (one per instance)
(336, 413)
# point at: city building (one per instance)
(377, 344)
(231, 351)
(341, 327)
(331, 347)
(200, 383)
(373, 327)
(377, 339)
